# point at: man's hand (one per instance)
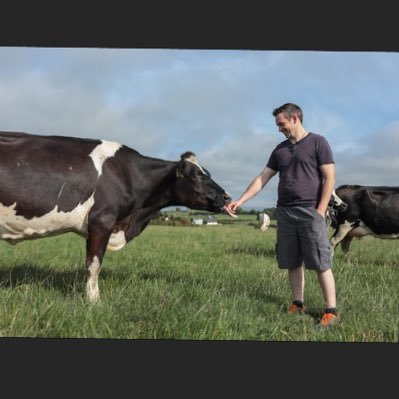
(233, 206)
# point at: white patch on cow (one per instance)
(343, 230)
(387, 236)
(360, 231)
(336, 200)
(92, 290)
(102, 152)
(194, 161)
(117, 241)
(15, 228)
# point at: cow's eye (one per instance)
(197, 177)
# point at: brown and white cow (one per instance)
(104, 191)
(364, 210)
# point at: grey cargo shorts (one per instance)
(302, 239)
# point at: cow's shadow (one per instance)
(68, 282)
(50, 278)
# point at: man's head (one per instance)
(288, 118)
(289, 110)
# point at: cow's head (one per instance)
(332, 218)
(336, 203)
(196, 189)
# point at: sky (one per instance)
(215, 103)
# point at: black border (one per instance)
(217, 367)
(273, 26)
(158, 368)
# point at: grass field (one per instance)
(193, 283)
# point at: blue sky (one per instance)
(216, 103)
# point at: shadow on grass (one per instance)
(355, 260)
(233, 288)
(256, 251)
(68, 282)
(63, 281)
(72, 281)
(257, 292)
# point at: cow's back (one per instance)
(38, 172)
(380, 209)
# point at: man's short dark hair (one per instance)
(289, 109)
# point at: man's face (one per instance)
(285, 125)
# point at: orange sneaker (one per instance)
(293, 308)
(329, 319)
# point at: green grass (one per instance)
(193, 283)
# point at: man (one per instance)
(306, 170)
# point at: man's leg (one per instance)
(327, 284)
(297, 282)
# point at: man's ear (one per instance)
(178, 172)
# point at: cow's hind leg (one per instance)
(96, 245)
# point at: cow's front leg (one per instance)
(96, 245)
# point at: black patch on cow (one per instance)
(39, 172)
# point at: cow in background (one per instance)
(364, 210)
(101, 190)
(332, 222)
(264, 221)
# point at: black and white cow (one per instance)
(364, 210)
(104, 191)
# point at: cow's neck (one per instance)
(156, 194)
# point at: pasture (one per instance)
(193, 283)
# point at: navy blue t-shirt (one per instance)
(298, 165)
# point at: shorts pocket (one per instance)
(318, 214)
(325, 256)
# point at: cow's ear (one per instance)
(191, 159)
(183, 168)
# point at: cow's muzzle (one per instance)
(342, 207)
(227, 199)
(337, 203)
